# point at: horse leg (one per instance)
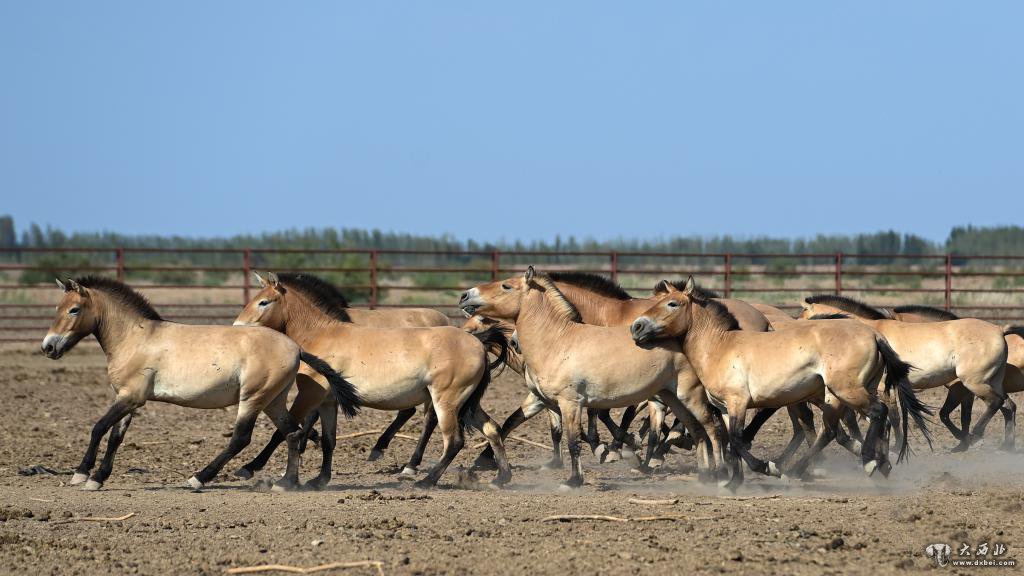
(846, 440)
(799, 434)
(593, 437)
(871, 457)
(240, 438)
(572, 416)
(555, 423)
(695, 401)
(1009, 411)
(956, 396)
(624, 436)
(429, 424)
(107, 463)
(311, 434)
(311, 394)
(260, 461)
(530, 407)
(489, 428)
(452, 440)
(384, 441)
(829, 421)
(118, 410)
(289, 427)
(328, 439)
(704, 455)
(657, 418)
(761, 415)
(608, 455)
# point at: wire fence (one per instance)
(210, 285)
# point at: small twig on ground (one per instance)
(41, 500)
(406, 437)
(668, 502)
(571, 517)
(96, 519)
(519, 439)
(299, 570)
(358, 434)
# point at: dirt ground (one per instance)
(841, 523)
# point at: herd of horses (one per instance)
(582, 344)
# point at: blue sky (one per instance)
(513, 120)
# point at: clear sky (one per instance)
(513, 119)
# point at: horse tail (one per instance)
(491, 337)
(496, 342)
(897, 374)
(346, 394)
(1010, 329)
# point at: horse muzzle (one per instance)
(470, 301)
(642, 330)
(54, 346)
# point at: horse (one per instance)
(958, 396)
(576, 365)
(390, 368)
(971, 350)
(149, 358)
(836, 365)
(381, 318)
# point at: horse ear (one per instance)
(530, 273)
(805, 305)
(260, 279)
(689, 287)
(61, 285)
(661, 288)
(72, 285)
(273, 280)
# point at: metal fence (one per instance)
(210, 285)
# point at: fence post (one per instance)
(949, 281)
(246, 274)
(120, 264)
(494, 265)
(373, 279)
(839, 273)
(615, 265)
(728, 275)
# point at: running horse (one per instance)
(208, 367)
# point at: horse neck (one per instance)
(598, 309)
(305, 320)
(704, 339)
(117, 325)
(540, 322)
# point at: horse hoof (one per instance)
(1009, 448)
(243, 473)
(315, 485)
(613, 456)
(194, 483)
(408, 472)
(731, 484)
(483, 463)
(961, 447)
(856, 447)
(551, 465)
(628, 452)
(92, 485)
(642, 469)
(870, 467)
(424, 484)
(656, 463)
(567, 487)
(773, 470)
(600, 452)
(374, 455)
(78, 478)
(885, 468)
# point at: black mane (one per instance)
(1013, 329)
(593, 282)
(832, 316)
(320, 292)
(123, 293)
(718, 309)
(927, 311)
(698, 291)
(855, 307)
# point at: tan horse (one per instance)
(194, 366)
(777, 317)
(835, 364)
(973, 351)
(382, 318)
(958, 395)
(576, 365)
(391, 368)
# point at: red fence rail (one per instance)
(212, 284)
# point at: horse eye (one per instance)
(73, 311)
(264, 303)
(506, 287)
(673, 304)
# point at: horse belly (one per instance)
(768, 393)
(195, 391)
(396, 395)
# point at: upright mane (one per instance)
(557, 298)
(593, 282)
(121, 293)
(832, 316)
(720, 313)
(927, 311)
(321, 293)
(855, 307)
(698, 290)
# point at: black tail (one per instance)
(496, 342)
(346, 394)
(897, 374)
(469, 408)
(1009, 329)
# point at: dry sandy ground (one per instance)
(843, 523)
